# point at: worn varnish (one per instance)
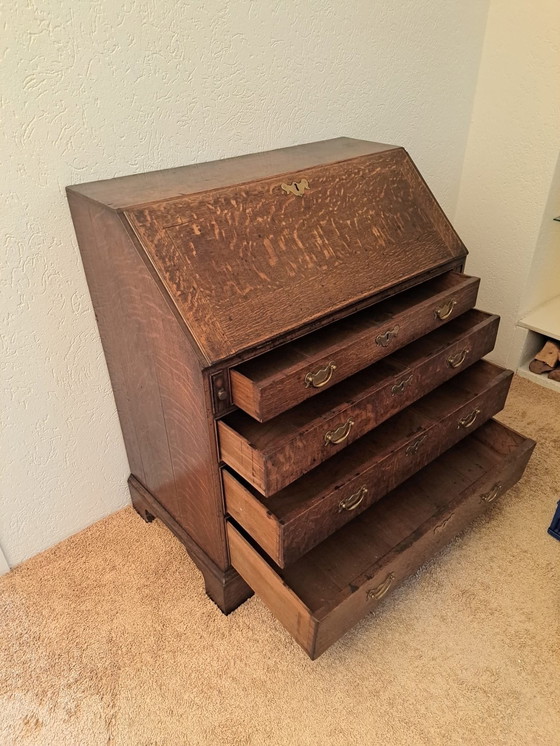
(290, 336)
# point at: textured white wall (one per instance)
(513, 148)
(97, 89)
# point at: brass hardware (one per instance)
(352, 502)
(454, 361)
(469, 419)
(443, 312)
(399, 387)
(297, 187)
(334, 437)
(382, 588)
(492, 494)
(443, 524)
(220, 392)
(321, 377)
(383, 339)
(412, 448)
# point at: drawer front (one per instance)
(292, 523)
(272, 455)
(279, 380)
(443, 507)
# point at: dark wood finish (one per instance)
(226, 285)
(225, 587)
(271, 455)
(162, 397)
(329, 589)
(275, 382)
(127, 192)
(291, 258)
(299, 517)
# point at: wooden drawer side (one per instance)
(290, 611)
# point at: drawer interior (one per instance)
(270, 371)
(268, 436)
(316, 586)
(343, 560)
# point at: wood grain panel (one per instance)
(291, 259)
(161, 397)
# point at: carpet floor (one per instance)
(108, 638)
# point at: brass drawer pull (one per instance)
(445, 311)
(454, 361)
(321, 377)
(412, 448)
(333, 437)
(468, 419)
(443, 524)
(399, 387)
(383, 339)
(382, 588)
(352, 502)
(492, 494)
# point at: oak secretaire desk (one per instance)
(296, 361)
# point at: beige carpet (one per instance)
(109, 639)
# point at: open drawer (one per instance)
(278, 380)
(271, 455)
(329, 589)
(302, 515)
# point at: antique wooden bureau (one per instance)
(296, 361)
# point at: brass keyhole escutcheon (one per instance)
(296, 188)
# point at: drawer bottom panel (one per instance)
(329, 589)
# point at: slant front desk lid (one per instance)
(336, 223)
